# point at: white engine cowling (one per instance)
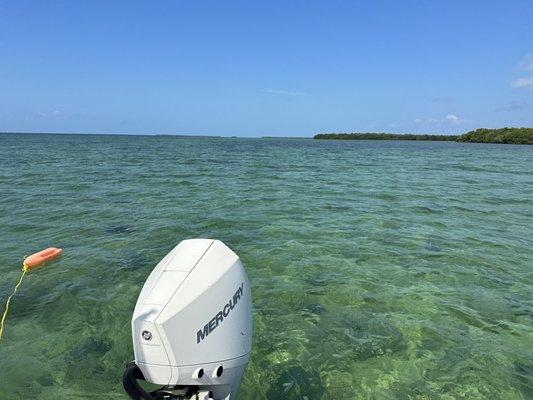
(192, 324)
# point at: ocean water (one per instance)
(379, 270)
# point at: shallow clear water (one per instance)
(379, 270)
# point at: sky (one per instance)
(270, 68)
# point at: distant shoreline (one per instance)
(498, 136)
(114, 134)
(495, 136)
(384, 136)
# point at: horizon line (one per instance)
(216, 136)
(149, 134)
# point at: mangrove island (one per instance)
(482, 135)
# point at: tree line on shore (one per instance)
(482, 135)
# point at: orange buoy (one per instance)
(30, 262)
(42, 256)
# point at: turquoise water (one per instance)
(379, 270)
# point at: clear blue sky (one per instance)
(290, 68)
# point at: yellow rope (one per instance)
(24, 270)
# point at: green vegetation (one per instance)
(382, 136)
(502, 135)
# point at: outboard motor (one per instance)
(192, 325)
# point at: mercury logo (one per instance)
(219, 317)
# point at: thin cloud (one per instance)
(443, 99)
(526, 64)
(523, 83)
(46, 115)
(51, 114)
(449, 118)
(452, 117)
(514, 106)
(285, 92)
